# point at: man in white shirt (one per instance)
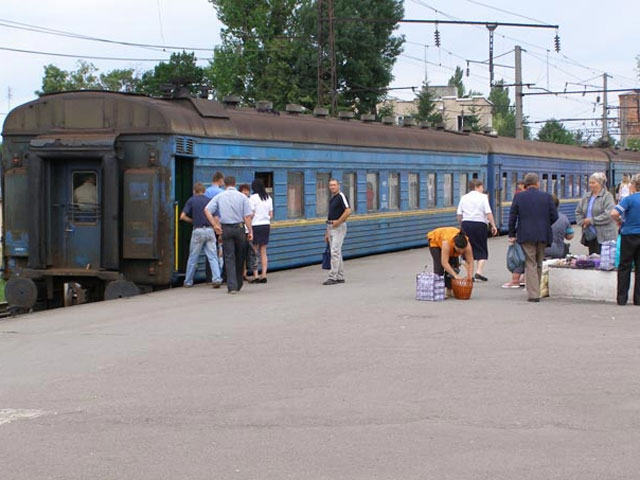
(474, 213)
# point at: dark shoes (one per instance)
(258, 280)
(482, 278)
(331, 281)
(536, 300)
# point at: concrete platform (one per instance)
(293, 379)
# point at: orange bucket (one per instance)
(462, 288)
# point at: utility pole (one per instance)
(605, 130)
(327, 75)
(519, 129)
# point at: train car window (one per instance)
(503, 188)
(475, 175)
(372, 192)
(267, 181)
(447, 195)
(576, 189)
(349, 186)
(394, 191)
(295, 194)
(514, 184)
(586, 184)
(563, 186)
(462, 188)
(322, 194)
(545, 182)
(431, 190)
(84, 205)
(570, 185)
(414, 191)
(554, 185)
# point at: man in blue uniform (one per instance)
(339, 210)
(201, 236)
(229, 212)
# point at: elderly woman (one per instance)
(592, 214)
(627, 214)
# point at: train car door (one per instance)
(183, 190)
(498, 192)
(76, 215)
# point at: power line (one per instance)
(90, 57)
(504, 11)
(62, 33)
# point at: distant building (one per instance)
(629, 114)
(456, 112)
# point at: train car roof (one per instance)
(529, 148)
(630, 156)
(111, 113)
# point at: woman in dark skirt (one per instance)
(262, 208)
(475, 218)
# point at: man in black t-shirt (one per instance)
(201, 236)
(339, 210)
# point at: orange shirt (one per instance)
(439, 235)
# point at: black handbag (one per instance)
(326, 258)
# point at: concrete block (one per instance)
(597, 285)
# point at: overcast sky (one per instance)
(596, 37)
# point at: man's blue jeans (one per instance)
(203, 237)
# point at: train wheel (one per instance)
(120, 289)
(21, 293)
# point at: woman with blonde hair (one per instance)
(592, 214)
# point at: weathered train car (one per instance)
(94, 182)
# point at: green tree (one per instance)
(86, 77)
(555, 132)
(181, 70)
(269, 51)
(120, 80)
(58, 80)
(386, 110)
(427, 111)
(503, 113)
(259, 53)
(456, 81)
(633, 143)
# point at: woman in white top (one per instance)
(474, 213)
(262, 208)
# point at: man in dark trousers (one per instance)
(229, 212)
(530, 218)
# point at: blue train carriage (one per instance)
(621, 162)
(564, 170)
(112, 172)
(90, 182)
(401, 181)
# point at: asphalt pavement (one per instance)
(293, 379)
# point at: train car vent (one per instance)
(409, 122)
(345, 115)
(388, 120)
(368, 117)
(184, 146)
